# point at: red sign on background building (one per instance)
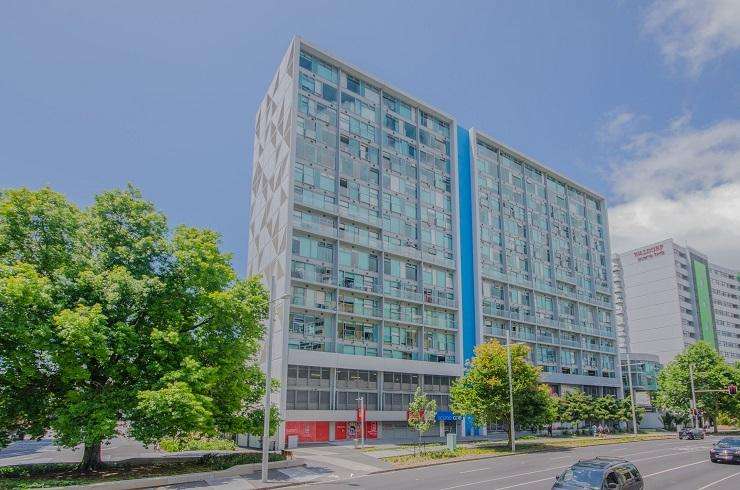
(361, 414)
(371, 430)
(340, 431)
(649, 252)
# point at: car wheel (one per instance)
(713, 460)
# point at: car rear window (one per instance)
(587, 477)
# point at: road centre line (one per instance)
(719, 481)
(676, 468)
(462, 485)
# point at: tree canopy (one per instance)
(107, 317)
(483, 391)
(711, 372)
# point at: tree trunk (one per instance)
(91, 457)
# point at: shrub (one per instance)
(196, 443)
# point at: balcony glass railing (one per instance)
(402, 293)
(315, 227)
(315, 201)
(402, 316)
(348, 307)
(360, 239)
(404, 250)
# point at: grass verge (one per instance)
(65, 474)
(494, 449)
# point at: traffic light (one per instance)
(732, 389)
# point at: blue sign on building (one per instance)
(446, 415)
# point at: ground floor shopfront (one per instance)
(393, 430)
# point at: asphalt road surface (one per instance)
(667, 464)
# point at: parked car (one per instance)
(601, 474)
(691, 433)
(727, 450)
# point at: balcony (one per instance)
(314, 227)
(437, 297)
(358, 215)
(351, 308)
(402, 316)
(358, 239)
(403, 250)
(311, 273)
(367, 284)
(439, 322)
(403, 293)
(494, 309)
(315, 201)
(438, 259)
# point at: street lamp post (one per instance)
(268, 379)
(362, 421)
(632, 395)
(511, 393)
(693, 396)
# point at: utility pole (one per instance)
(693, 395)
(268, 382)
(632, 395)
(511, 393)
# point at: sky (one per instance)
(639, 101)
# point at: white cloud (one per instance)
(682, 183)
(616, 125)
(694, 31)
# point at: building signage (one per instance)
(447, 416)
(649, 252)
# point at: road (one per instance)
(666, 464)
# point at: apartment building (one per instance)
(541, 267)
(669, 296)
(364, 209)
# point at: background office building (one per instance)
(669, 296)
(541, 268)
(644, 369)
(361, 198)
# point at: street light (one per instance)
(511, 393)
(632, 395)
(268, 380)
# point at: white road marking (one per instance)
(557, 468)
(477, 469)
(562, 457)
(718, 481)
(676, 468)
(525, 483)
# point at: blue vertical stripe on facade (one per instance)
(467, 278)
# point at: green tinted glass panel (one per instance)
(701, 282)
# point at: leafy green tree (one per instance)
(606, 409)
(623, 412)
(106, 317)
(483, 391)
(711, 372)
(421, 413)
(575, 407)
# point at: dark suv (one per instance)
(601, 474)
(690, 433)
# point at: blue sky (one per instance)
(639, 101)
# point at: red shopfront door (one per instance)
(308, 431)
(340, 431)
(371, 430)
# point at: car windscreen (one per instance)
(583, 477)
(734, 443)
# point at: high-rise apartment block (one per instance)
(669, 296)
(400, 240)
